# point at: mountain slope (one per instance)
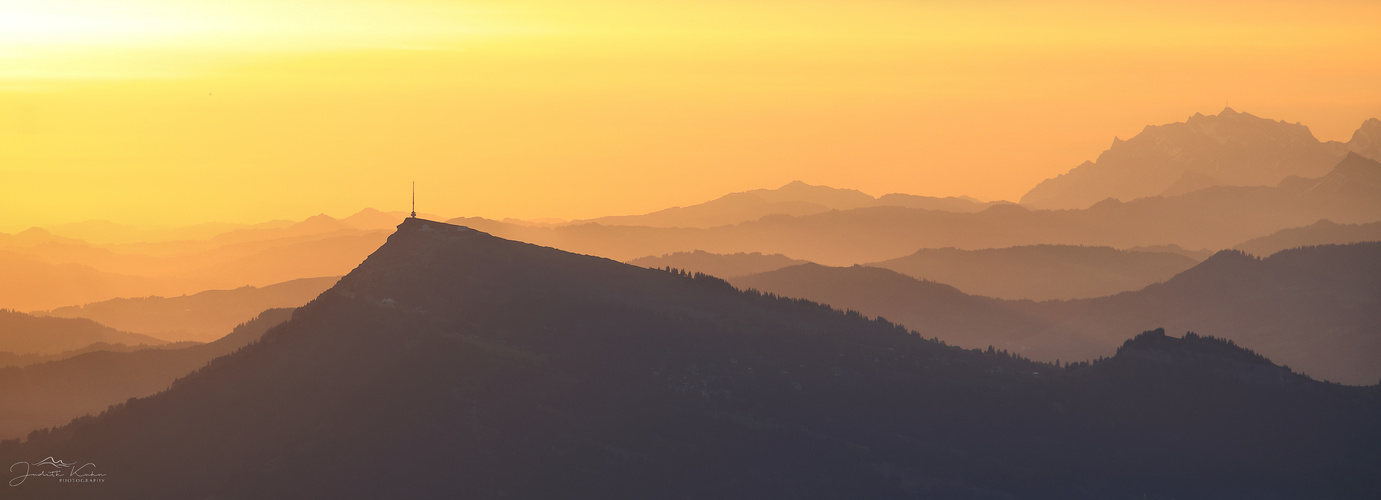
(53, 393)
(455, 364)
(1230, 149)
(201, 317)
(1040, 272)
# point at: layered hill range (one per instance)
(45, 269)
(85, 382)
(1227, 149)
(452, 363)
(1316, 309)
(1037, 272)
(1217, 217)
(24, 334)
(1323, 232)
(200, 317)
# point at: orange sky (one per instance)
(169, 112)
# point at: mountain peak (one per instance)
(1230, 148)
(321, 222)
(1366, 141)
(34, 232)
(1356, 169)
(1371, 127)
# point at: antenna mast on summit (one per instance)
(414, 199)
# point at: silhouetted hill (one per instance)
(201, 317)
(1196, 356)
(1222, 383)
(1217, 217)
(1324, 232)
(24, 334)
(53, 393)
(796, 198)
(1040, 272)
(721, 265)
(1317, 309)
(1227, 149)
(455, 364)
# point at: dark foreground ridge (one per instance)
(454, 364)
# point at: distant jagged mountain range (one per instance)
(1317, 309)
(1227, 149)
(453, 363)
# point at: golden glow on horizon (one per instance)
(247, 111)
